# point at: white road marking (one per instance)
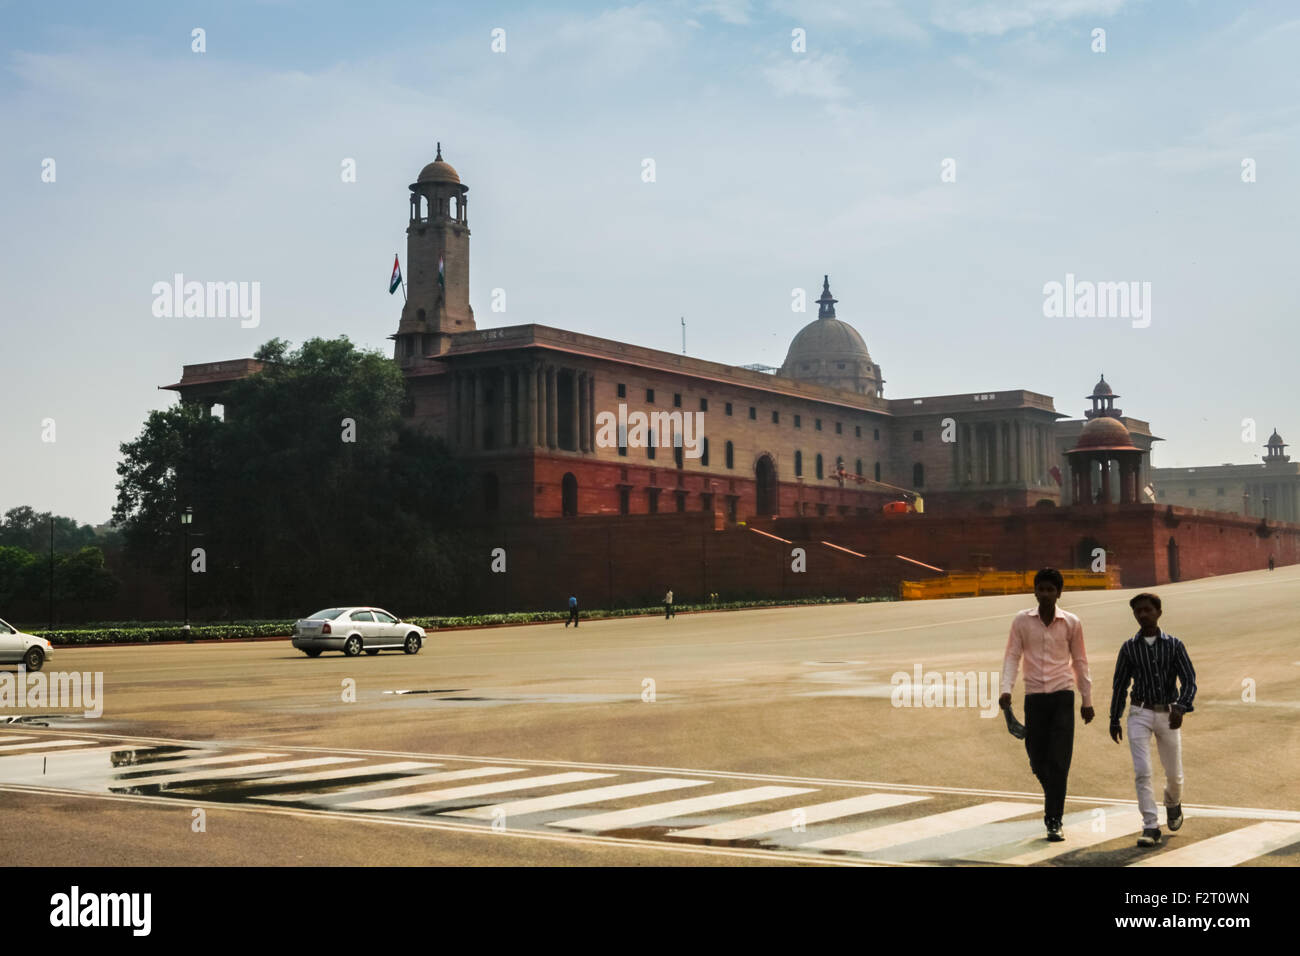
(474, 790)
(1078, 836)
(1229, 849)
(225, 772)
(620, 819)
(785, 819)
(66, 763)
(185, 763)
(344, 772)
(417, 780)
(909, 831)
(8, 748)
(576, 798)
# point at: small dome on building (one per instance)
(1101, 389)
(1104, 434)
(831, 352)
(438, 171)
(1276, 440)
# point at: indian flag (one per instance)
(442, 281)
(396, 280)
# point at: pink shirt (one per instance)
(1050, 652)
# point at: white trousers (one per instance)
(1144, 724)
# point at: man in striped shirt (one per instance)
(1152, 659)
(1050, 642)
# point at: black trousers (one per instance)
(1049, 739)
(573, 617)
(668, 611)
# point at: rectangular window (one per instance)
(839, 430)
(622, 393)
(677, 399)
(728, 409)
(649, 394)
(650, 446)
(798, 422)
(653, 500)
(916, 435)
(776, 418)
(704, 404)
(877, 435)
(857, 431)
(753, 413)
(624, 501)
(681, 501)
(817, 424)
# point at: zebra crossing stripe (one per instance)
(909, 831)
(22, 768)
(411, 781)
(47, 744)
(185, 763)
(620, 819)
(785, 819)
(1229, 849)
(343, 773)
(1079, 834)
(225, 772)
(12, 737)
(576, 798)
(474, 790)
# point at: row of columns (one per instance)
(1084, 468)
(524, 408)
(993, 453)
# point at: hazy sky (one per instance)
(772, 167)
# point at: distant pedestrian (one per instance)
(668, 605)
(1051, 643)
(1151, 659)
(1270, 562)
(573, 612)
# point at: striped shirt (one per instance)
(1152, 671)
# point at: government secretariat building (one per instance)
(522, 406)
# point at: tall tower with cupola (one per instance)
(437, 266)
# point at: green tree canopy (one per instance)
(312, 491)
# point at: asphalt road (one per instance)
(793, 704)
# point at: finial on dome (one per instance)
(826, 304)
(437, 158)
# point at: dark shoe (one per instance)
(1149, 837)
(1174, 816)
(1054, 834)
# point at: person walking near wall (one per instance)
(1050, 641)
(1152, 659)
(573, 612)
(668, 605)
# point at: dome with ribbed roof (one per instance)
(1101, 388)
(831, 352)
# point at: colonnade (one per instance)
(523, 405)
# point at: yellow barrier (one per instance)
(976, 583)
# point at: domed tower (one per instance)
(437, 265)
(1275, 448)
(830, 352)
(1103, 402)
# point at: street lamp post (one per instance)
(186, 518)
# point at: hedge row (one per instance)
(144, 633)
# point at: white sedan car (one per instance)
(353, 630)
(19, 648)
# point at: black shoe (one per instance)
(1150, 837)
(1174, 816)
(1054, 834)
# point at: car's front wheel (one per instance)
(412, 644)
(353, 646)
(34, 659)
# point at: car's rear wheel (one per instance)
(312, 653)
(372, 651)
(34, 659)
(352, 647)
(412, 645)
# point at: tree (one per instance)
(24, 527)
(311, 491)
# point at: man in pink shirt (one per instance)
(1050, 642)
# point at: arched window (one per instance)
(918, 475)
(798, 464)
(819, 466)
(731, 455)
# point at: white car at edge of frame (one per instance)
(19, 648)
(355, 629)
